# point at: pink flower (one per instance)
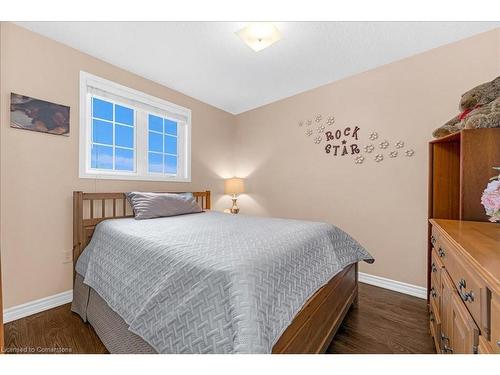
(492, 186)
(491, 200)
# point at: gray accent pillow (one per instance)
(152, 205)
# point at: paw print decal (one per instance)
(318, 118)
(309, 132)
(409, 152)
(378, 158)
(317, 140)
(321, 128)
(369, 148)
(359, 159)
(393, 154)
(330, 120)
(373, 136)
(384, 144)
(400, 144)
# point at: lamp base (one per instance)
(235, 209)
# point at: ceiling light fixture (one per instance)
(259, 35)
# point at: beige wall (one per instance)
(383, 205)
(40, 171)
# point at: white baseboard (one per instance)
(39, 305)
(42, 304)
(397, 286)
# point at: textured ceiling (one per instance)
(207, 61)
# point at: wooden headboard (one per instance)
(89, 209)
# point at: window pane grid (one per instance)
(162, 153)
(119, 123)
(115, 153)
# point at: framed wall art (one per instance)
(38, 115)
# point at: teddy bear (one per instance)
(480, 108)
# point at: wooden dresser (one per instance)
(465, 286)
(463, 248)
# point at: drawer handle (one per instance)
(498, 343)
(441, 253)
(433, 292)
(433, 240)
(466, 296)
(433, 267)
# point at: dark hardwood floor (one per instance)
(383, 322)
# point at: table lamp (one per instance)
(234, 186)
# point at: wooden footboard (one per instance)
(315, 325)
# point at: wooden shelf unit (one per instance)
(460, 166)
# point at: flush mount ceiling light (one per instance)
(259, 35)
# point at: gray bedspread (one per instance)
(212, 282)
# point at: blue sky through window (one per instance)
(162, 145)
(113, 141)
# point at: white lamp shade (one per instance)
(234, 186)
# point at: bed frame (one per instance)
(312, 329)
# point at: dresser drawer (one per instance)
(434, 236)
(436, 268)
(435, 296)
(467, 284)
(463, 332)
(435, 326)
(495, 323)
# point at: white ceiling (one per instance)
(207, 61)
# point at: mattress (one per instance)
(212, 282)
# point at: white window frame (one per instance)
(163, 108)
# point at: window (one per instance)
(162, 145)
(113, 139)
(126, 134)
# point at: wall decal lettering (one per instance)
(344, 141)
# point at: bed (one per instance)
(209, 282)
